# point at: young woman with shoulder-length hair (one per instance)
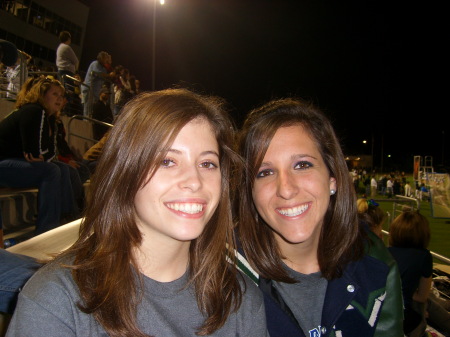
(150, 260)
(409, 236)
(28, 150)
(299, 229)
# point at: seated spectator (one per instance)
(370, 212)
(101, 111)
(91, 156)
(15, 270)
(408, 240)
(27, 153)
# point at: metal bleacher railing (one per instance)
(71, 133)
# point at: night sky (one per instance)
(367, 64)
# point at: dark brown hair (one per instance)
(410, 229)
(104, 267)
(340, 237)
(64, 36)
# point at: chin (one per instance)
(294, 238)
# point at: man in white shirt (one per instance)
(66, 60)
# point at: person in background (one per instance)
(407, 188)
(97, 76)
(28, 150)
(15, 270)
(390, 187)
(13, 74)
(91, 156)
(321, 272)
(371, 214)
(66, 59)
(159, 219)
(373, 187)
(137, 83)
(123, 91)
(409, 236)
(101, 111)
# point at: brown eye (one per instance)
(302, 165)
(264, 173)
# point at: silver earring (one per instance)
(332, 192)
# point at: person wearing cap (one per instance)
(101, 111)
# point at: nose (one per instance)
(190, 179)
(286, 186)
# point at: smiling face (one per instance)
(181, 197)
(54, 99)
(292, 188)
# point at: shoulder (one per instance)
(31, 107)
(251, 316)
(30, 111)
(376, 249)
(373, 270)
(50, 284)
(249, 287)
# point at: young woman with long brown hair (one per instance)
(151, 257)
(320, 273)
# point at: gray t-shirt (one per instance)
(305, 299)
(47, 307)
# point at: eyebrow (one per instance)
(204, 153)
(293, 157)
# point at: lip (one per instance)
(187, 208)
(294, 212)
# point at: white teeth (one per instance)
(293, 211)
(186, 207)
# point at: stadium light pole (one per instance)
(154, 42)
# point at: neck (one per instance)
(301, 257)
(161, 261)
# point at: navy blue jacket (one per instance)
(366, 301)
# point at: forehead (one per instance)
(55, 87)
(293, 135)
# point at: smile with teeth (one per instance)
(294, 211)
(190, 208)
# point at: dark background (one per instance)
(375, 67)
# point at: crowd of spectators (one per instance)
(84, 91)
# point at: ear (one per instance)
(333, 183)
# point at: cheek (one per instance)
(216, 185)
(259, 195)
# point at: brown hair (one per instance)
(64, 36)
(34, 90)
(340, 237)
(410, 229)
(104, 267)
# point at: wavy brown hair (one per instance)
(340, 238)
(34, 90)
(104, 268)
